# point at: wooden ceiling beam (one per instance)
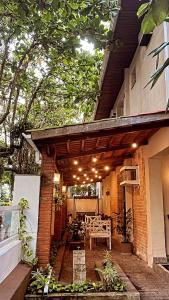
(68, 146)
(100, 150)
(82, 145)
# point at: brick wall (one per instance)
(45, 210)
(140, 209)
(138, 203)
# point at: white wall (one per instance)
(83, 205)
(10, 256)
(139, 99)
(28, 187)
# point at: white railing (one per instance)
(9, 222)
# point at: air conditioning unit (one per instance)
(129, 175)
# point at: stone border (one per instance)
(88, 296)
(158, 268)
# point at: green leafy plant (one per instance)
(5, 203)
(111, 280)
(154, 12)
(124, 220)
(77, 230)
(23, 234)
(59, 199)
(39, 279)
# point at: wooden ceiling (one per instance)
(126, 31)
(108, 151)
(108, 141)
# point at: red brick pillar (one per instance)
(45, 210)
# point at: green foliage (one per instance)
(39, 279)
(23, 234)
(155, 12)
(111, 280)
(123, 221)
(5, 203)
(46, 79)
(84, 190)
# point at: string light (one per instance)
(107, 168)
(93, 169)
(134, 145)
(75, 162)
(91, 180)
(74, 176)
(78, 178)
(94, 159)
(80, 169)
(85, 175)
(96, 171)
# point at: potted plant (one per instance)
(123, 226)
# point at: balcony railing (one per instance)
(9, 222)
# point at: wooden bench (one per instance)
(100, 229)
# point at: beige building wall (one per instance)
(138, 98)
(83, 205)
(165, 186)
(154, 157)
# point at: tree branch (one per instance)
(32, 100)
(17, 72)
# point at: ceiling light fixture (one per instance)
(78, 178)
(107, 168)
(96, 171)
(94, 159)
(75, 162)
(80, 169)
(134, 145)
(74, 176)
(85, 175)
(93, 169)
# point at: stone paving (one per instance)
(150, 284)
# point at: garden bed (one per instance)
(122, 288)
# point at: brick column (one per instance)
(45, 210)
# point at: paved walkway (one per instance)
(151, 285)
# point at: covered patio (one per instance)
(87, 153)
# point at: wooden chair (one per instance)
(90, 219)
(100, 229)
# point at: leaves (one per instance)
(158, 73)
(46, 79)
(143, 9)
(156, 11)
